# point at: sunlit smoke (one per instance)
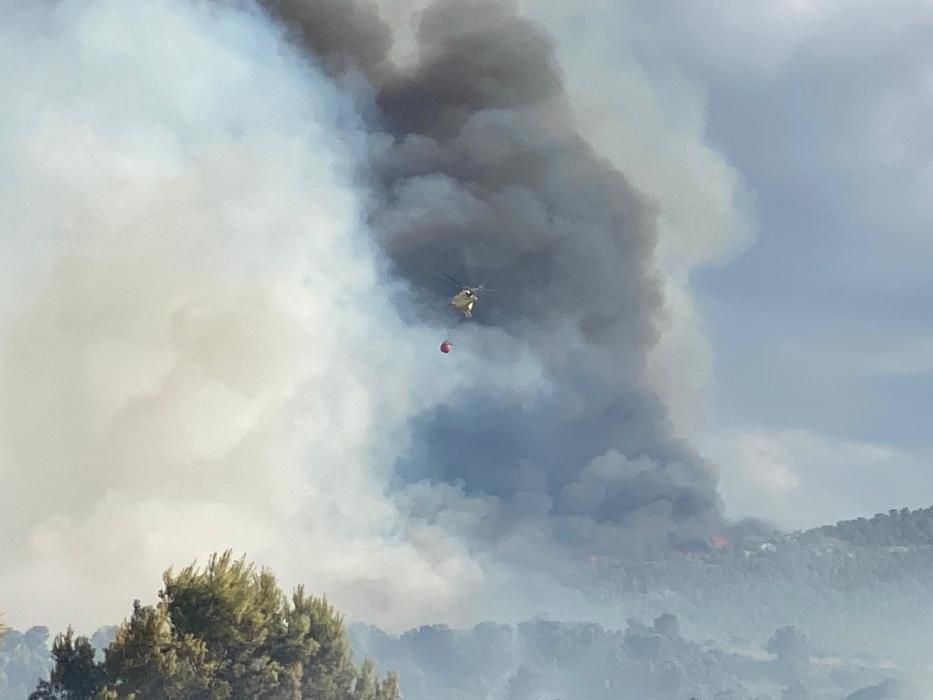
(200, 348)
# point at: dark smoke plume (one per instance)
(342, 35)
(476, 169)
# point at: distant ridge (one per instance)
(896, 527)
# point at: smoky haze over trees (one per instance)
(655, 661)
(791, 616)
(24, 659)
(839, 611)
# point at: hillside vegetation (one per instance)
(836, 610)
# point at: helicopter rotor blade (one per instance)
(446, 279)
(453, 280)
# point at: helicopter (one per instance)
(464, 300)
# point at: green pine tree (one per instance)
(226, 631)
(75, 675)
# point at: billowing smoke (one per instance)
(199, 347)
(477, 169)
(219, 330)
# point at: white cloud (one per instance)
(198, 351)
(799, 479)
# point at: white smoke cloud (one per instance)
(198, 347)
(799, 479)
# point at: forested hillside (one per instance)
(903, 527)
(831, 610)
(860, 586)
(545, 660)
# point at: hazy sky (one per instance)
(822, 329)
(822, 380)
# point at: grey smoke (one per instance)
(198, 346)
(215, 327)
(341, 35)
(476, 168)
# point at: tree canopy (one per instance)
(226, 631)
